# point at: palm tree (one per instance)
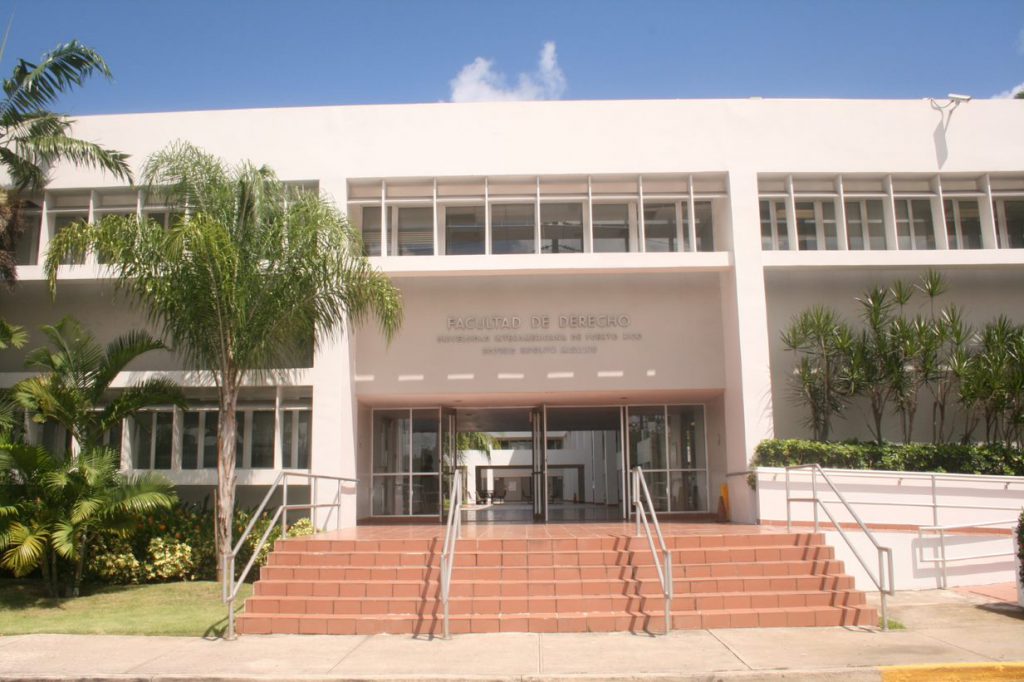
(250, 276)
(77, 374)
(32, 138)
(52, 508)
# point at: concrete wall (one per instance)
(886, 500)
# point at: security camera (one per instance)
(959, 98)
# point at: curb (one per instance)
(953, 672)
(818, 675)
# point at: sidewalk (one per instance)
(942, 628)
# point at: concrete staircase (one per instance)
(584, 584)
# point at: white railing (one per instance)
(883, 579)
(1010, 486)
(942, 559)
(451, 538)
(230, 584)
(663, 564)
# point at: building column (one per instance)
(334, 430)
(748, 384)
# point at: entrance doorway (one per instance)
(534, 464)
(559, 464)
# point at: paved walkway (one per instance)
(943, 628)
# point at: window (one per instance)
(371, 230)
(512, 228)
(261, 442)
(963, 223)
(561, 228)
(1010, 223)
(112, 438)
(704, 228)
(406, 462)
(914, 227)
(611, 228)
(660, 229)
(865, 225)
(668, 442)
(152, 440)
(295, 434)
(464, 228)
(774, 236)
(30, 219)
(816, 225)
(415, 234)
(191, 437)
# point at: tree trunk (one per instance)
(80, 565)
(226, 458)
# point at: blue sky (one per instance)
(185, 54)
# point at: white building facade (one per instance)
(595, 284)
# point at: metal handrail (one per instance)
(909, 475)
(942, 559)
(664, 573)
(883, 580)
(230, 585)
(451, 536)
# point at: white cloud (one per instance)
(1012, 92)
(479, 82)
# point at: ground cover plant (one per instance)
(178, 608)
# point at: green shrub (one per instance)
(177, 544)
(112, 561)
(301, 528)
(169, 560)
(1020, 545)
(954, 458)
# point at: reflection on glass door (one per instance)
(540, 465)
(668, 442)
(406, 462)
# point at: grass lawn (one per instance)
(191, 609)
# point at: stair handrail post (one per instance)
(814, 496)
(230, 584)
(661, 553)
(452, 530)
(284, 503)
(883, 580)
(789, 504)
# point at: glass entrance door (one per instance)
(450, 459)
(540, 465)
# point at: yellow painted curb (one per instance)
(953, 672)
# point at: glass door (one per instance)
(540, 465)
(450, 460)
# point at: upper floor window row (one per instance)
(536, 216)
(907, 214)
(43, 216)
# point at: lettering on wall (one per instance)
(570, 333)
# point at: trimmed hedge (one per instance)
(952, 458)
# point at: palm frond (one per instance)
(36, 86)
(11, 335)
(119, 353)
(26, 546)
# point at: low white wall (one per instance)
(895, 504)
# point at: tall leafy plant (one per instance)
(251, 274)
(823, 345)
